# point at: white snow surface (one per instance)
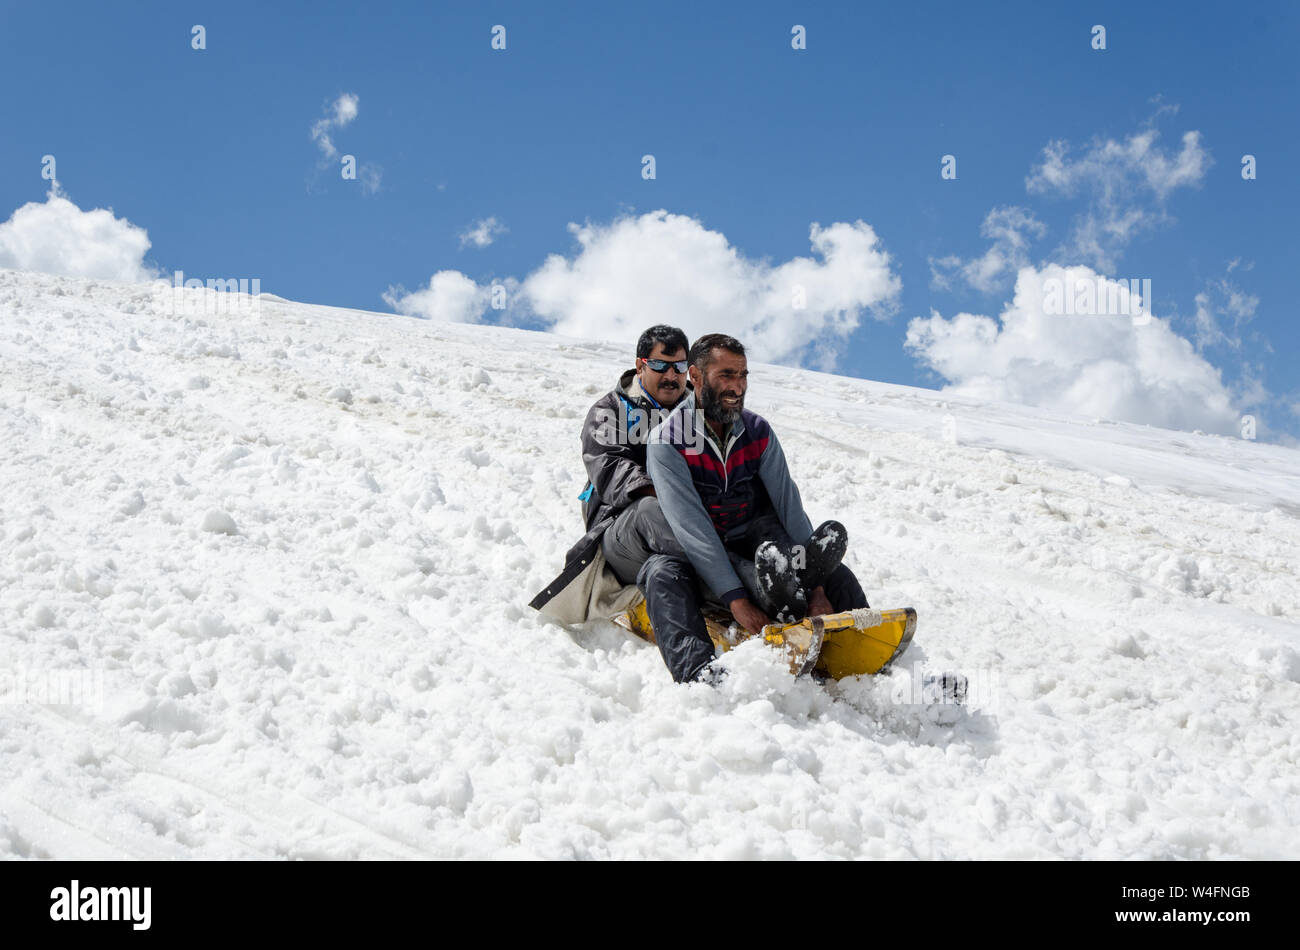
(296, 548)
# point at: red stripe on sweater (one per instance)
(704, 460)
(743, 455)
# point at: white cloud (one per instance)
(57, 237)
(1109, 366)
(345, 109)
(1010, 229)
(1127, 184)
(1223, 299)
(482, 232)
(1100, 365)
(1250, 389)
(668, 268)
(371, 177)
(340, 113)
(451, 297)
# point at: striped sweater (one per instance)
(709, 492)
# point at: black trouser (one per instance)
(641, 549)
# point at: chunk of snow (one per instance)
(219, 522)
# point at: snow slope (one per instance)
(288, 554)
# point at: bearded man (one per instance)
(744, 541)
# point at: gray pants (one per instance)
(639, 532)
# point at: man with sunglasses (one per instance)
(624, 523)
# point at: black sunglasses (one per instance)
(661, 366)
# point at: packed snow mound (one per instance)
(264, 577)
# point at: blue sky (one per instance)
(210, 151)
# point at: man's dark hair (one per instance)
(672, 338)
(701, 354)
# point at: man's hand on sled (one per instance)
(749, 616)
(818, 604)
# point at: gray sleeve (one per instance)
(691, 524)
(783, 492)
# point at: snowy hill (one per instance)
(286, 555)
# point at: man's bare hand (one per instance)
(818, 604)
(749, 616)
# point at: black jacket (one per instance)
(614, 437)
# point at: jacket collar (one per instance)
(704, 429)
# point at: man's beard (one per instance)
(714, 410)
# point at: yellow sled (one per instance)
(850, 643)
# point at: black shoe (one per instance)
(780, 593)
(710, 674)
(823, 553)
(945, 688)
